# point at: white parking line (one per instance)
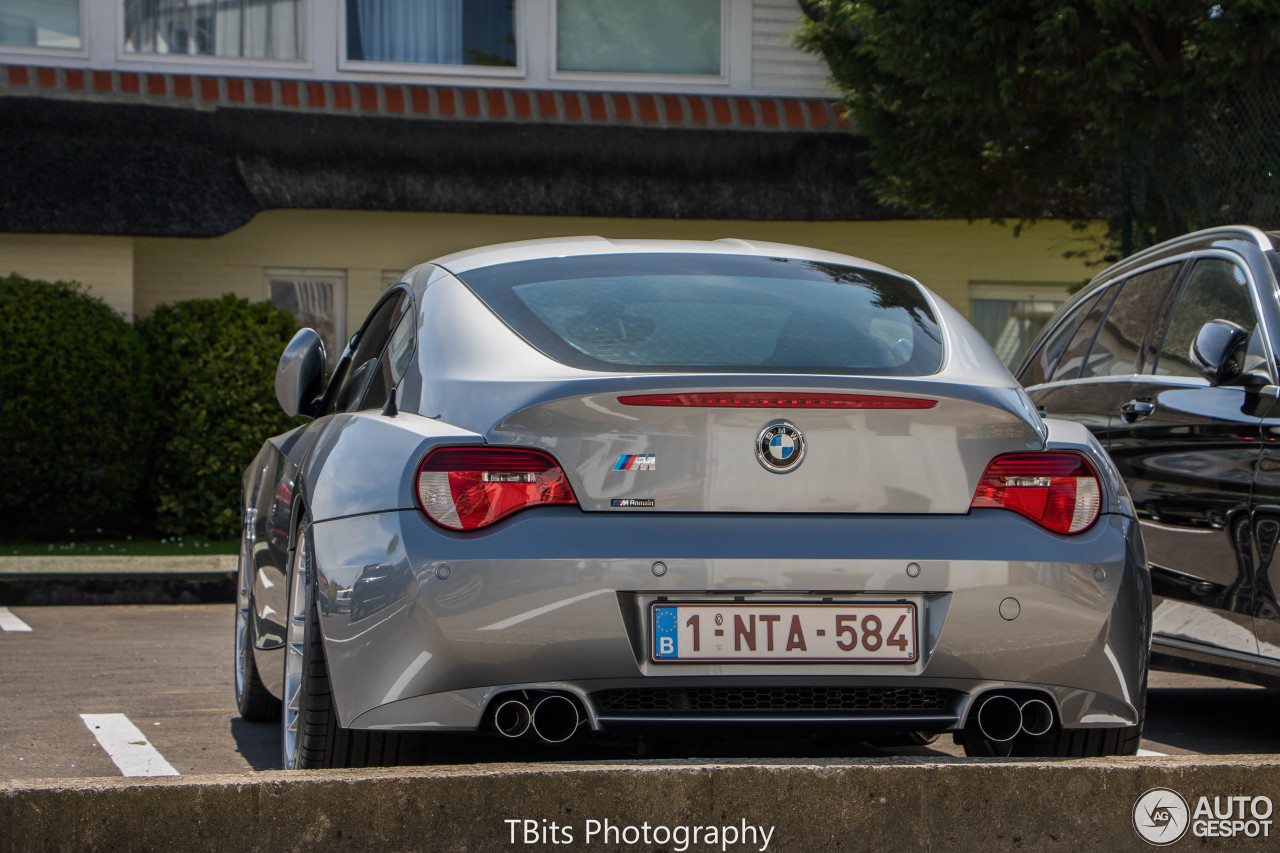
(127, 746)
(9, 622)
(1151, 754)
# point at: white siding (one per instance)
(946, 255)
(104, 265)
(759, 56)
(775, 64)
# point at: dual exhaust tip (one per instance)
(552, 719)
(1002, 718)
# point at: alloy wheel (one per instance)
(295, 646)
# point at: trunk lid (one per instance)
(708, 458)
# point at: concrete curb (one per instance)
(817, 806)
(117, 580)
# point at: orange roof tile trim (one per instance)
(452, 103)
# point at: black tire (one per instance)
(1093, 743)
(321, 741)
(253, 701)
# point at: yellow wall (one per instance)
(944, 255)
(103, 264)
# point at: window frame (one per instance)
(1108, 292)
(1190, 260)
(639, 77)
(1062, 323)
(1144, 346)
(1058, 293)
(25, 52)
(342, 366)
(220, 64)
(1091, 292)
(520, 70)
(409, 315)
(339, 279)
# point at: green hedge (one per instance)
(214, 366)
(74, 432)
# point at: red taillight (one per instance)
(778, 400)
(463, 488)
(1059, 491)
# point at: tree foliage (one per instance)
(214, 366)
(75, 426)
(1160, 116)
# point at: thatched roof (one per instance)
(70, 166)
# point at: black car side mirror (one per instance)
(1218, 350)
(300, 374)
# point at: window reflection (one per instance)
(244, 29)
(432, 32)
(40, 23)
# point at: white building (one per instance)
(308, 150)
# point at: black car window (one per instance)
(690, 313)
(372, 340)
(392, 364)
(1075, 357)
(1117, 350)
(1041, 362)
(1217, 289)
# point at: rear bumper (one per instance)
(440, 623)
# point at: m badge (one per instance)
(636, 462)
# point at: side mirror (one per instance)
(1218, 350)
(300, 373)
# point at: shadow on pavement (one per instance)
(1214, 721)
(259, 743)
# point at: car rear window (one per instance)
(721, 313)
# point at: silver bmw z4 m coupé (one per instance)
(592, 488)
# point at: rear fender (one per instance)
(1075, 437)
(366, 462)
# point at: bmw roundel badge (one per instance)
(780, 447)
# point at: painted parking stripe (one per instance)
(127, 746)
(1151, 753)
(9, 622)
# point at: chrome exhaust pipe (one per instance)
(556, 718)
(999, 719)
(512, 718)
(1037, 717)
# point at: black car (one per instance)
(1169, 358)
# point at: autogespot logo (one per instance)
(1160, 816)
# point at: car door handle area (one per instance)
(1136, 410)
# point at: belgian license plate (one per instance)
(877, 633)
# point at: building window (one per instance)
(1010, 314)
(242, 29)
(639, 36)
(40, 23)
(432, 32)
(318, 298)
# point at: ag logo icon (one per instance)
(1161, 816)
